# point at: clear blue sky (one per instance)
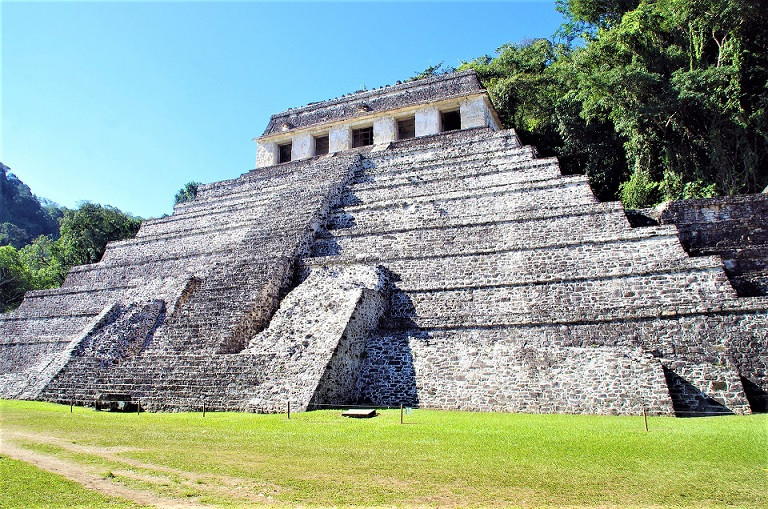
(123, 103)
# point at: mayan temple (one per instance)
(397, 246)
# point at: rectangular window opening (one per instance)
(362, 137)
(321, 145)
(285, 153)
(406, 128)
(451, 120)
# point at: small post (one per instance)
(645, 419)
(203, 399)
(71, 404)
(401, 413)
(138, 407)
(289, 408)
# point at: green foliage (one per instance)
(15, 279)
(665, 99)
(187, 193)
(86, 231)
(639, 191)
(44, 263)
(22, 216)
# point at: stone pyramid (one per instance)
(396, 246)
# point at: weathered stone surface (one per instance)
(451, 270)
(378, 100)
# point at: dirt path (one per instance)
(89, 480)
(242, 489)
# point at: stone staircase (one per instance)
(515, 290)
(217, 268)
(450, 271)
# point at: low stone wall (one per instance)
(733, 227)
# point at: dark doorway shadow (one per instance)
(689, 401)
(757, 397)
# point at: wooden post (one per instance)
(138, 406)
(289, 404)
(645, 419)
(203, 408)
(71, 404)
(401, 413)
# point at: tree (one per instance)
(187, 193)
(14, 279)
(43, 263)
(86, 231)
(676, 78)
(665, 99)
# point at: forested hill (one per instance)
(40, 242)
(22, 216)
(653, 100)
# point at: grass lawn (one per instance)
(23, 486)
(436, 458)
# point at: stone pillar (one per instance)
(339, 139)
(384, 130)
(266, 154)
(303, 147)
(427, 121)
(473, 113)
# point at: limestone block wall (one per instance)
(450, 271)
(491, 250)
(477, 371)
(734, 227)
(379, 100)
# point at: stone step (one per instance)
(141, 250)
(383, 165)
(609, 258)
(459, 142)
(50, 325)
(134, 274)
(543, 171)
(445, 175)
(597, 223)
(83, 302)
(279, 180)
(246, 213)
(495, 203)
(561, 298)
(607, 214)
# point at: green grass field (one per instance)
(436, 458)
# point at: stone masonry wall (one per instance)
(514, 290)
(448, 271)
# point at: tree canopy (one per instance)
(186, 193)
(44, 261)
(664, 99)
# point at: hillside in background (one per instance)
(23, 216)
(40, 241)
